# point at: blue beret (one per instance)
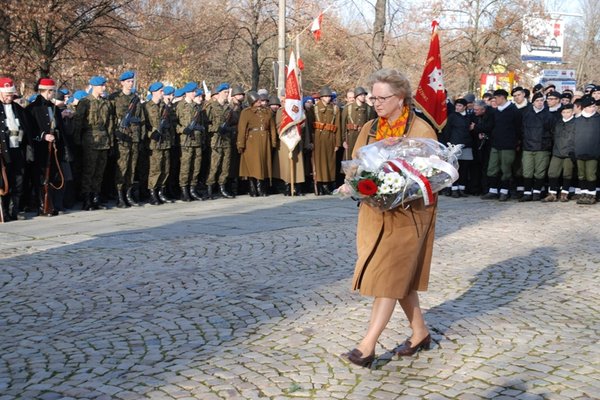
(190, 87)
(180, 92)
(127, 75)
(168, 90)
(307, 98)
(80, 94)
(221, 87)
(199, 92)
(156, 86)
(71, 99)
(32, 98)
(97, 81)
(64, 91)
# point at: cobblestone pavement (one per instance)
(250, 299)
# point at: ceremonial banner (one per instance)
(315, 28)
(293, 112)
(431, 93)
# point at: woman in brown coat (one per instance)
(394, 247)
(257, 136)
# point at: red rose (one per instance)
(367, 187)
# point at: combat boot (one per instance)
(121, 203)
(252, 187)
(234, 187)
(87, 202)
(129, 197)
(96, 203)
(154, 198)
(489, 196)
(297, 191)
(288, 190)
(209, 192)
(260, 188)
(195, 194)
(162, 196)
(326, 190)
(224, 192)
(185, 194)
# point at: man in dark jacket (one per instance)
(537, 145)
(563, 153)
(481, 128)
(457, 131)
(505, 139)
(587, 149)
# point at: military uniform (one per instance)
(257, 136)
(327, 135)
(129, 120)
(221, 132)
(191, 128)
(159, 128)
(354, 117)
(93, 122)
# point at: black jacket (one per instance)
(457, 131)
(507, 134)
(587, 137)
(537, 130)
(40, 123)
(563, 134)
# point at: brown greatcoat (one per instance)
(282, 167)
(257, 136)
(325, 141)
(394, 247)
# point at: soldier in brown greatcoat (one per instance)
(257, 136)
(327, 139)
(354, 116)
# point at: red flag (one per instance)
(293, 111)
(431, 94)
(315, 28)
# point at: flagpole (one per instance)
(281, 53)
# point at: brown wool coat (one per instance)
(394, 247)
(325, 141)
(257, 136)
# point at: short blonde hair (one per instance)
(398, 83)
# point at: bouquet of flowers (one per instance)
(393, 171)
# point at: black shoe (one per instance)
(162, 196)
(489, 196)
(96, 203)
(297, 191)
(121, 203)
(462, 193)
(209, 192)
(225, 193)
(194, 195)
(536, 197)
(526, 197)
(154, 200)
(455, 194)
(261, 189)
(356, 357)
(252, 187)
(130, 199)
(407, 349)
(185, 194)
(287, 191)
(503, 197)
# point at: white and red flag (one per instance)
(315, 28)
(431, 93)
(293, 112)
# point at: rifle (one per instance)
(47, 207)
(164, 123)
(129, 118)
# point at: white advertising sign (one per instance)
(543, 39)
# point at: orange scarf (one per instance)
(396, 129)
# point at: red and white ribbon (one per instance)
(412, 173)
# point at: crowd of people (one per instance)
(541, 145)
(62, 148)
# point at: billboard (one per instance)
(543, 39)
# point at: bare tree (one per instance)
(587, 46)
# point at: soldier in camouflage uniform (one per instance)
(129, 115)
(354, 116)
(221, 131)
(158, 128)
(236, 104)
(93, 122)
(191, 127)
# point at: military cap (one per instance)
(359, 90)
(587, 101)
(127, 75)
(80, 94)
(517, 89)
(199, 92)
(553, 93)
(262, 91)
(252, 97)
(500, 92)
(537, 87)
(589, 86)
(168, 90)
(568, 106)
(537, 96)
(155, 87)
(596, 88)
(7, 85)
(566, 95)
(263, 97)
(97, 80)
(221, 87)
(274, 100)
(190, 87)
(307, 98)
(180, 92)
(46, 83)
(469, 97)
(464, 102)
(237, 89)
(326, 91)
